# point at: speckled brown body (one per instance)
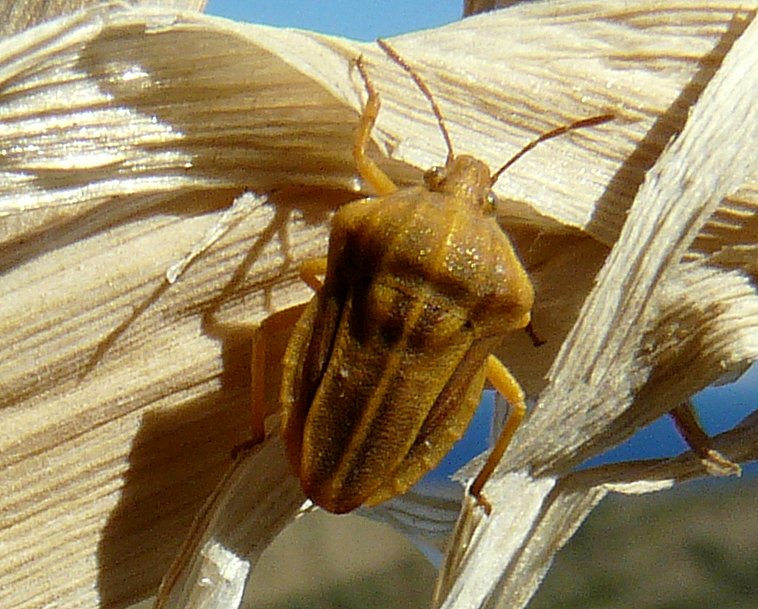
(387, 363)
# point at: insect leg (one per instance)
(367, 168)
(508, 387)
(267, 345)
(310, 271)
(699, 441)
(258, 387)
(259, 349)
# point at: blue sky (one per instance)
(349, 18)
(720, 408)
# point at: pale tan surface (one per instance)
(121, 397)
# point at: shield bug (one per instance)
(388, 361)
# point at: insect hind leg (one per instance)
(688, 425)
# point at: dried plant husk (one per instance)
(127, 130)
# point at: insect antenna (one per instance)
(394, 56)
(585, 122)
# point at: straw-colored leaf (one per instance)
(16, 17)
(125, 132)
(651, 333)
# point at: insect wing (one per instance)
(375, 364)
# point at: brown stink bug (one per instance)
(387, 363)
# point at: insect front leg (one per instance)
(505, 384)
(367, 168)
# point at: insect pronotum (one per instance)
(387, 363)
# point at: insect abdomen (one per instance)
(387, 383)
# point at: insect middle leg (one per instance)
(310, 270)
(507, 386)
